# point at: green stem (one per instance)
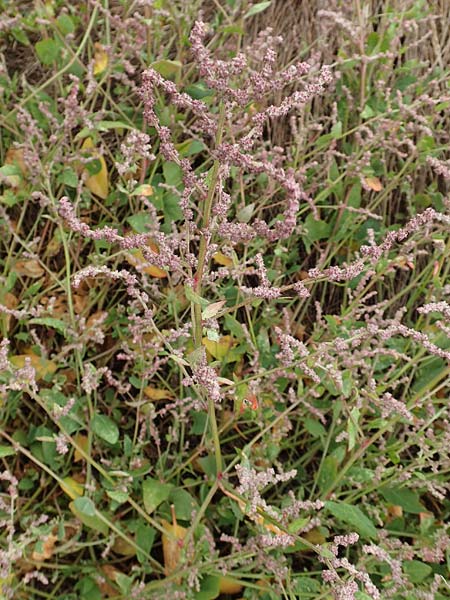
(196, 309)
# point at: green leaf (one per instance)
(315, 428)
(197, 91)
(353, 516)
(194, 297)
(65, 24)
(404, 497)
(118, 496)
(50, 322)
(167, 68)
(317, 229)
(184, 504)
(190, 147)
(140, 222)
(68, 177)
(85, 506)
(306, 585)
(105, 428)
(154, 492)
(47, 50)
(20, 35)
(257, 8)
(172, 173)
(416, 570)
(145, 536)
(328, 473)
(6, 450)
(8, 170)
(84, 509)
(88, 589)
(209, 588)
(352, 428)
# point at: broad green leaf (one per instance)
(48, 50)
(50, 322)
(209, 588)
(416, 570)
(184, 504)
(65, 24)
(154, 492)
(316, 229)
(140, 222)
(145, 536)
(257, 8)
(167, 68)
(172, 173)
(6, 450)
(353, 516)
(404, 497)
(118, 496)
(84, 509)
(105, 428)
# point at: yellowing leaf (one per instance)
(29, 268)
(172, 542)
(100, 59)
(11, 302)
(14, 156)
(143, 190)
(222, 259)
(123, 547)
(136, 258)
(41, 365)
(373, 183)
(48, 547)
(228, 585)
(82, 441)
(72, 488)
(157, 394)
(98, 184)
(220, 349)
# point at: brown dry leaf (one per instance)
(82, 441)
(100, 59)
(228, 585)
(98, 184)
(41, 365)
(222, 259)
(394, 511)
(80, 303)
(158, 394)
(97, 317)
(48, 547)
(172, 542)
(373, 183)
(29, 268)
(106, 586)
(220, 349)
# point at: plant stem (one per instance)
(202, 264)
